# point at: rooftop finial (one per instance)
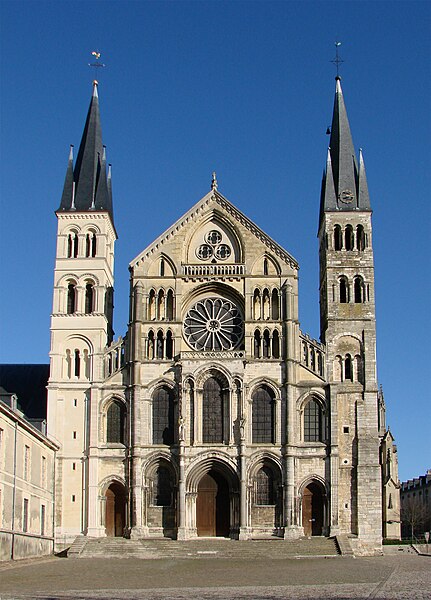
(96, 65)
(214, 184)
(337, 60)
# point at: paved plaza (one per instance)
(405, 576)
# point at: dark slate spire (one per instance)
(88, 188)
(344, 186)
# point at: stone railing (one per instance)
(213, 270)
(114, 357)
(312, 355)
(222, 355)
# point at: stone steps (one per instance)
(204, 548)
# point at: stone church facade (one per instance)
(215, 415)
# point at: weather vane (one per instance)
(337, 60)
(96, 65)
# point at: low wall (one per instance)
(23, 545)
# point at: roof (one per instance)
(214, 197)
(29, 383)
(87, 186)
(344, 185)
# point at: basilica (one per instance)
(215, 414)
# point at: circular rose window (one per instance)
(213, 324)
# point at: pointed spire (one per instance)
(364, 198)
(67, 200)
(342, 191)
(342, 151)
(89, 174)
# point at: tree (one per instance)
(415, 514)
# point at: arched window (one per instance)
(162, 487)
(72, 245)
(71, 298)
(338, 366)
(162, 267)
(90, 245)
(348, 371)
(170, 305)
(312, 422)
(275, 344)
(266, 304)
(305, 352)
(213, 412)
(115, 421)
(312, 359)
(169, 345)
(265, 487)
(159, 345)
(344, 290)
(161, 306)
(89, 298)
(338, 238)
(77, 370)
(151, 345)
(256, 305)
(348, 238)
(360, 238)
(257, 340)
(275, 305)
(163, 416)
(263, 416)
(265, 266)
(266, 344)
(357, 363)
(320, 364)
(358, 290)
(152, 305)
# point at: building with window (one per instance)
(27, 477)
(215, 414)
(416, 506)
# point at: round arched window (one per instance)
(213, 324)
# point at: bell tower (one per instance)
(81, 324)
(348, 328)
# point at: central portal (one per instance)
(213, 506)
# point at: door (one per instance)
(115, 510)
(312, 510)
(206, 506)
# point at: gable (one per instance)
(213, 213)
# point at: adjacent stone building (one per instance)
(216, 415)
(416, 506)
(27, 476)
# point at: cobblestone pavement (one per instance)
(386, 577)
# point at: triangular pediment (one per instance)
(216, 201)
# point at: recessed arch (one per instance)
(228, 236)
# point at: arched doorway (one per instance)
(115, 510)
(312, 509)
(213, 506)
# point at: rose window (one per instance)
(213, 324)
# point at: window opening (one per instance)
(358, 290)
(263, 416)
(348, 238)
(162, 489)
(265, 266)
(266, 343)
(115, 420)
(25, 516)
(77, 364)
(360, 238)
(312, 422)
(163, 417)
(89, 298)
(71, 298)
(344, 291)
(275, 344)
(338, 238)
(348, 368)
(162, 267)
(169, 345)
(151, 345)
(212, 412)
(159, 350)
(265, 487)
(257, 344)
(275, 305)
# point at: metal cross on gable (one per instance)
(337, 60)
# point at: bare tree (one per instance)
(415, 514)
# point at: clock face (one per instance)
(213, 324)
(346, 196)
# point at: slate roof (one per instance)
(29, 383)
(342, 173)
(87, 186)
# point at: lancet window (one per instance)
(163, 416)
(115, 423)
(263, 416)
(313, 422)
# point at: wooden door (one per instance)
(206, 506)
(307, 512)
(110, 513)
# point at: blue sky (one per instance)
(245, 88)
